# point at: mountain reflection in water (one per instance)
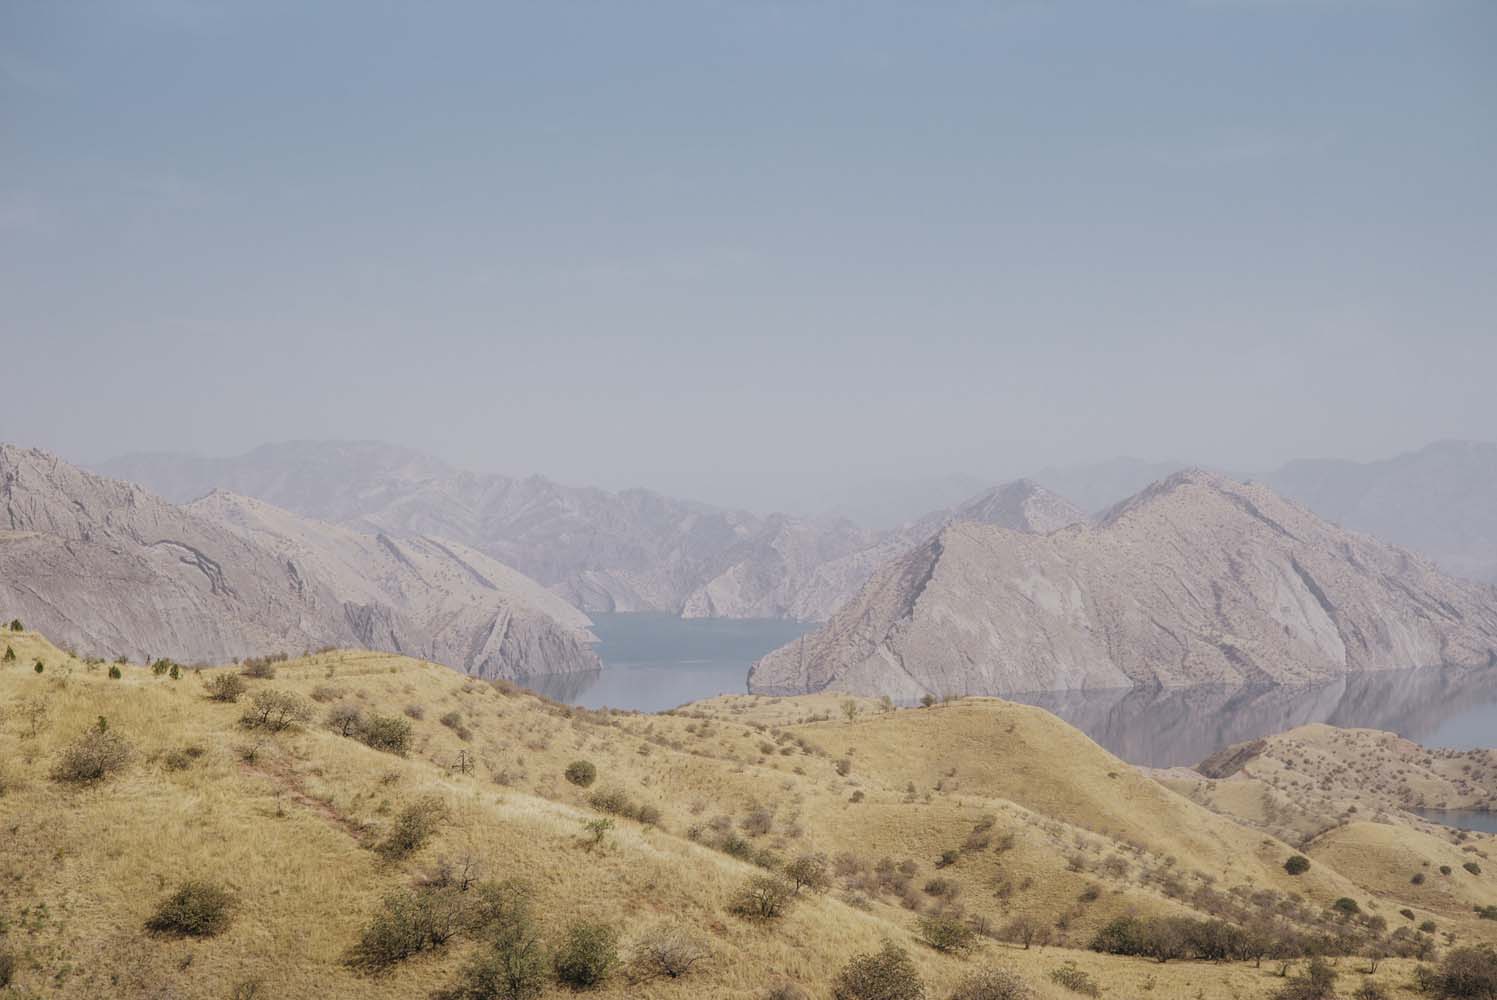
(1167, 727)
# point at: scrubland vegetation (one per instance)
(364, 825)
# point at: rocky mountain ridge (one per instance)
(1196, 579)
(112, 569)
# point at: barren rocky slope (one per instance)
(113, 570)
(1196, 579)
(627, 551)
(1437, 501)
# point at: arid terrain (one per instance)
(959, 833)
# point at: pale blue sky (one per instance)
(751, 252)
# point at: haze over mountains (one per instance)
(1196, 579)
(111, 569)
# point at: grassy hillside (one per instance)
(991, 814)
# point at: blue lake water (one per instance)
(1466, 819)
(654, 662)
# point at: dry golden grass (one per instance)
(288, 830)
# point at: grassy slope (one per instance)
(80, 870)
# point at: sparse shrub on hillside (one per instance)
(414, 711)
(16, 626)
(261, 667)
(1466, 974)
(763, 897)
(414, 826)
(1472, 867)
(946, 932)
(1075, 980)
(1418, 879)
(407, 924)
(581, 773)
(786, 991)
(40, 666)
(91, 758)
(1370, 990)
(992, 984)
(810, 871)
(927, 700)
(1346, 906)
(389, 733)
(1297, 865)
(345, 718)
(275, 711)
(454, 721)
(889, 974)
(197, 909)
(1445, 869)
(758, 822)
(1317, 982)
(115, 673)
(324, 693)
(1023, 930)
(7, 967)
(669, 951)
(587, 955)
(10, 655)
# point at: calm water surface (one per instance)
(657, 661)
(1466, 819)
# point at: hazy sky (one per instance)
(750, 252)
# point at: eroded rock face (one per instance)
(110, 569)
(1197, 579)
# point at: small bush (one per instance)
(7, 967)
(1466, 974)
(668, 951)
(407, 924)
(888, 975)
(786, 991)
(1317, 982)
(1297, 865)
(261, 667)
(345, 718)
(763, 897)
(414, 711)
(1346, 906)
(226, 687)
(587, 955)
(1472, 867)
(810, 871)
(91, 758)
(275, 711)
(946, 932)
(992, 984)
(388, 733)
(1075, 980)
(198, 909)
(114, 672)
(414, 826)
(581, 773)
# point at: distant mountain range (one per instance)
(1196, 579)
(111, 569)
(603, 551)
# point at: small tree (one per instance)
(274, 711)
(946, 932)
(345, 718)
(1297, 865)
(10, 655)
(414, 826)
(1317, 982)
(763, 897)
(810, 871)
(114, 672)
(197, 909)
(91, 758)
(16, 626)
(40, 666)
(389, 733)
(587, 955)
(1022, 930)
(581, 773)
(888, 975)
(850, 709)
(669, 951)
(224, 686)
(927, 700)
(1467, 974)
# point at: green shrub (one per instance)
(1472, 867)
(10, 655)
(222, 686)
(389, 733)
(197, 909)
(581, 773)
(1466, 974)
(114, 673)
(261, 667)
(414, 826)
(1075, 980)
(763, 897)
(890, 974)
(1297, 865)
(1317, 982)
(511, 964)
(946, 932)
(275, 711)
(407, 924)
(810, 871)
(91, 758)
(7, 967)
(345, 718)
(40, 666)
(992, 984)
(587, 955)
(1346, 906)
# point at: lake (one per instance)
(654, 662)
(1465, 819)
